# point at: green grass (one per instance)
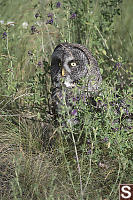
(87, 161)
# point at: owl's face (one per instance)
(72, 63)
(69, 64)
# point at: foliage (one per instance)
(44, 160)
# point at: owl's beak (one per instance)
(63, 72)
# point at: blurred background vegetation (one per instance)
(29, 32)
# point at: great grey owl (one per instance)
(75, 74)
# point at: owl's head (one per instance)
(73, 62)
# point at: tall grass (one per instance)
(41, 159)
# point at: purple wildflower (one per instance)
(73, 16)
(60, 95)
(83, 97)
(37, 15)
(115, 129)
(105, 139)
(88, 141)
(33, 29)
(58, 5)
(50, 21)
(4, 35)
(89, 151)
(39, 64)
(127, 112)
(50, 15)
(118, 65)
(74, 99)
(74, 112)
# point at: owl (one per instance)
(75, 75)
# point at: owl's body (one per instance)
(75, 74)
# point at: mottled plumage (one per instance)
(75, 74)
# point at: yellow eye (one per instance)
(59, 64)
(73, 64)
